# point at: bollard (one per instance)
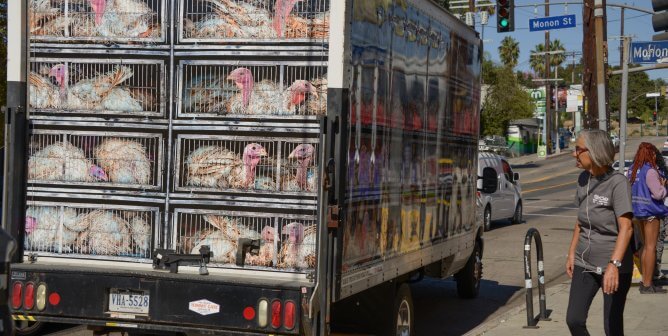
(532, 322)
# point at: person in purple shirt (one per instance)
(648, 189)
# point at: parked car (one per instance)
(615, 140)
(506, 201)
(627, 165)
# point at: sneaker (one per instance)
(651, 289)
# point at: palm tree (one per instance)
(557, 59)
(537, 62)
(509, 51)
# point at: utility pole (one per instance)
(593, 49)
(621, 40)
(626, 41)
(548, 91)
(599, 14)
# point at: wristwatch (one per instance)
(617, 263)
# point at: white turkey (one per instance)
(43, 231)
(266, 97)
(123, 18)
(224, 239)
(125, 161)
(220, 168)
(140, 230)
(206, 94)
(107, 233)
(317, 105)
(100, 92)
(43, 93)
(304, 176)
(62, 161)
(299, 251)
(230, 19)
(265, 256)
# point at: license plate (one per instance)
(128, 301)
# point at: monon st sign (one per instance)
(552, 22)
(649, 52)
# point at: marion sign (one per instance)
(649, 52)
(552, 22)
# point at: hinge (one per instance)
(333, 217)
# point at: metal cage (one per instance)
(224, 21)
(95, 159)
(214, 89)
(287, 242)
(91, 87)
(120, 21)
(91, 231)
(209, 163)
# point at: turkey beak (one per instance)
(312, 90)
(263, 152)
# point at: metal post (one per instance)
(621, 41)
(600, 68)
(622, 113)
(656, 110)
(548, 91)
(532, 322)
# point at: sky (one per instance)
(637, 24)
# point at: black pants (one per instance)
(584, 287)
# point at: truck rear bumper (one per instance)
(156, 300)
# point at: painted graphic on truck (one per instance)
(413, 131)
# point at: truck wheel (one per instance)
(28, 328)
(487, 219)
(403, 315)
(517, 216)
(468, 278)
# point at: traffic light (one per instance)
(505, 16)
(660, 19)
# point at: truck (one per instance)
(239, 167)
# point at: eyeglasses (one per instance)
(579, 150)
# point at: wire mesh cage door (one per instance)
(102, 22)
(252, 90)
(112, 159)
(286, 242)
(261, 21)
(91, 231)
(89, 87)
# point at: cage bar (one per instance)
(78, 158)
(299, 166)
(120, 87)
(84, 230)
(252, 90)
(224, 21)
(298, 250)
(119, 21)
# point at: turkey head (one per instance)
(31, 224)
(304, 155)
(282, 10)
(243, 79)
(253, 153)
(98, 173)
(59, 72)
(298, 93)
(99, 7)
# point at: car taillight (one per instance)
(40, 297)
(276, 314)
(289, 315)
(29, 296)
(262, 313)
(54, 299)
(17, 295)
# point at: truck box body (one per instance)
(318, 150)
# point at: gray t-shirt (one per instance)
(601, 200)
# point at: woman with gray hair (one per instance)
(599, 254)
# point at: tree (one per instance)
(639, 85)
(537, 62)
(509, 51)
(506, 100)
(557, 59)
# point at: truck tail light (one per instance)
(262, 313)
(40, 297)
(276, 314)
(289, 315)
(249, 313)
(29, 296)
(17, 295)
(54, 299)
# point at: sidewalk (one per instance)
(643, 315)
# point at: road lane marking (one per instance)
(550, 207)
(546, 215)
(548, 187)
(545, 178)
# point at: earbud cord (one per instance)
(588, 222)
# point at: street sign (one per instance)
(649, 52)
(552, 22)
(653, 94)
(542, 151)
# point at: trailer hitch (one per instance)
(164, 259)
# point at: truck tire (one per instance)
(517, 215)
(28, 328)
(403, 314)
(487, 218)
(468, 278)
